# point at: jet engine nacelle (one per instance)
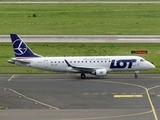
(101, 72)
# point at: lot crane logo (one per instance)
(19, 47)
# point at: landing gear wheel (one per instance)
(136, 72)
(136, 76)
(83, 76)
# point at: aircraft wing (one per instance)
(22, 61)
(84, 69)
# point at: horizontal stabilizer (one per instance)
(22, 61)
(11, 61)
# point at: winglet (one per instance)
(20, 48)
(69, 65)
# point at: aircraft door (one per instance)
(133, 63)
(138, 62)
(45, 63)
(108, 62)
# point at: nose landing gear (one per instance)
(136, 72)
(136, 76)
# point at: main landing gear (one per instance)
(136, 72)
(83, 76)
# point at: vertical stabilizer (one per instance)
(20, 48)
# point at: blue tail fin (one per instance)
(20, 48)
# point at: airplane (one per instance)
(94, 65)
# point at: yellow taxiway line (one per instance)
(116, 116)
(10, 78)
(33, 99)
(128, 96)
(140, 86)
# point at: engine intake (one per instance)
(101, 72)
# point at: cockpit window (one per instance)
(142, 60)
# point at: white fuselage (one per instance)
(110, 63)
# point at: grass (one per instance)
(74, 0)
(77, 0)
(80, 19)
(78, 49)
(1, 107)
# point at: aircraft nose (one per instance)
(152, 66)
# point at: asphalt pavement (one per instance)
(67, 97)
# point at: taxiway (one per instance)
(67, 97)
